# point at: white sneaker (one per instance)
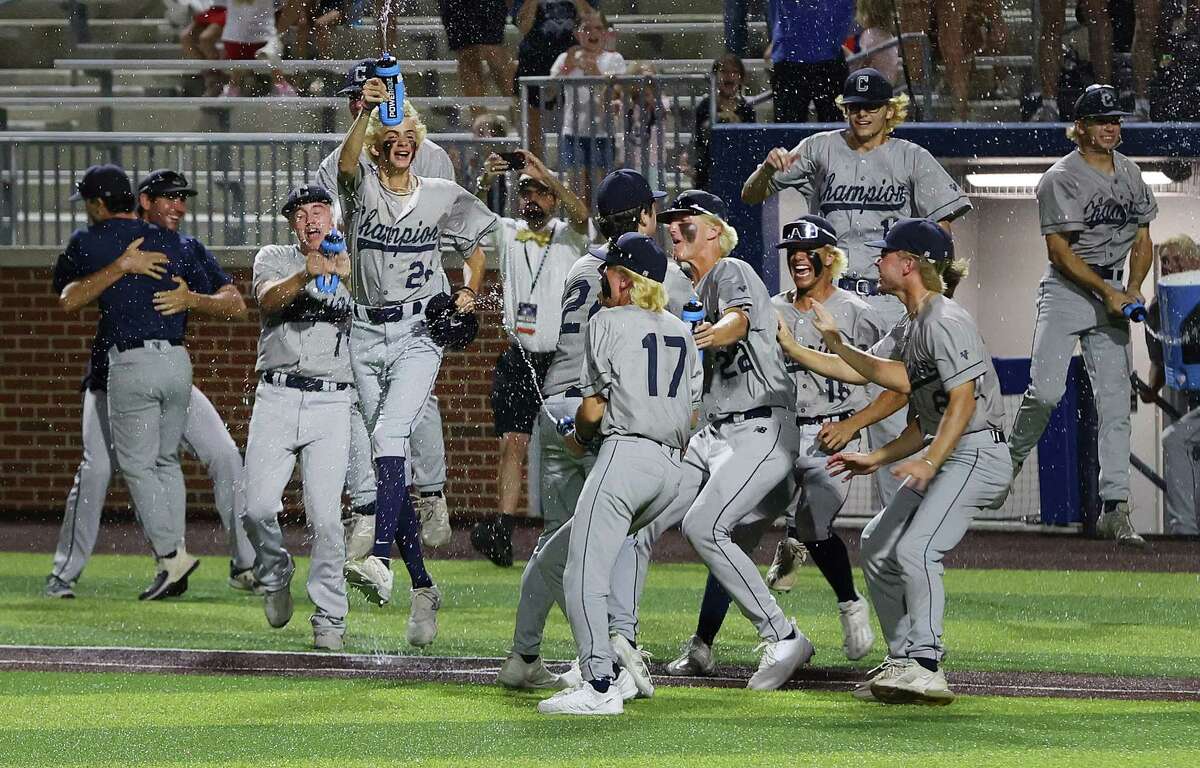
(790, 554)
(780, 660)
(434, 515)
(326, 639)
(244, 581)
(516, 673)
(278, 606)
(371, 577)
(857, 636)
(626, 686)
(360, 536)
(422, 616)
(696, 660)
(916, 685)
(888, 669)
(583, 699)
(573, 677)
(633, 660)
(1117, 524)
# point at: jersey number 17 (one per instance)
(650, 344)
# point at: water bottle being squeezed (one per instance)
(387, 69)
(331, 246)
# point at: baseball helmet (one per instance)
(447, 326)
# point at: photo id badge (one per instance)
(526, 318)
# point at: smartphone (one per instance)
(515, 160)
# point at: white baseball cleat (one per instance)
(790, 554)
(888, 669)
(422, 616)
(583, 699)
(633, 660)
(371, 577)
(327, 639)
(434, 515)
(171, 578)
(780, 660)
(624, 684)
(360, 535)
(278, 606)
(57, 588)
(1115, 523)
(857, 636)
(915, 685)
(573, 677)
(519, 674)
(696, 660)
(244, 581)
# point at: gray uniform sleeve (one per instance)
(469, 221)
(733, 287)
(957, 351)
(800, 176)
(437, 163)
(270, 265)
(936, 195)
(888, 345)
(596, 377)
(868, 328)
(696, 374)
(1059, 204)
(1145, 207)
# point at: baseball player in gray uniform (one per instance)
(1095, 212)
(624, 203)
(163, 196)
(750, 440)
(642, 383)
(428, 466)
(815, 498)
(301, 410)
(952, 457)
(862, 179)
(396, 222)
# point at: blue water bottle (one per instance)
(331, 246)
(387, 69)
(1135, 311)
(693, 315)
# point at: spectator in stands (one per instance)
(1148, 18)
(986, 34)
(940, 20)
(1178, 77)
(547, 28)
(807, 64)
(475, 32)
(199, 41)
(646, 121)
(1093, 13)
(586, 142)
(249, 30)
(313, 22)
(731, 108)
(494, 194)
(878, 24)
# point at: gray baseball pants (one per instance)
(633, 481)
(818, 497)
(879, 434)
(428, 465)
(149, 388)
(204, 436)
(1181, 472)
(1066, 315)
(903, 546)
(314, 426)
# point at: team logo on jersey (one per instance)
(868, 196)
(1103, 210)
(376, 236)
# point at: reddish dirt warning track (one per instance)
(483, 671)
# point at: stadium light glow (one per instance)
(1030, 180)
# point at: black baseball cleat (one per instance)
(171, 579)
(493, 540)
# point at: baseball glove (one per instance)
(447, 326)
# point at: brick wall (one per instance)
(43, 351)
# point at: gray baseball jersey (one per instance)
(1103, 212)
(581, 300)
(860, 326)
(308, 338)
(861, 193)
(431, 162)
(646, 365)
(941, 348)
(395, 240)
(749, 374)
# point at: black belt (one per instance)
(761, 412)
(1109, 273)
(304, 383)
(573, 392)
(389, 314)
(863, 286)
(807, 421)
(125, 346)
(997, 434)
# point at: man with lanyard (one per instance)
(537, 252)
(150, 373)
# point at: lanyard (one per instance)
(541, 263)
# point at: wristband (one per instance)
(930, 463)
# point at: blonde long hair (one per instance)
(728, 239)
(646, 293)
(935, 276)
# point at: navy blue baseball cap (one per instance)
(108, 182)
(305, 193)
(866, 86)
(808, 232)
(356, 76)
(638, 253)
(624, 190)
(920, 237)
(695, 202)
(1099, 100)
(165, 181)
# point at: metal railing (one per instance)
(242, 178)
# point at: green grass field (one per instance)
(1088, 622)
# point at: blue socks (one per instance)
(396, 519)
(713, 608)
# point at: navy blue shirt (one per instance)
(808, 31)
(127, 312)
